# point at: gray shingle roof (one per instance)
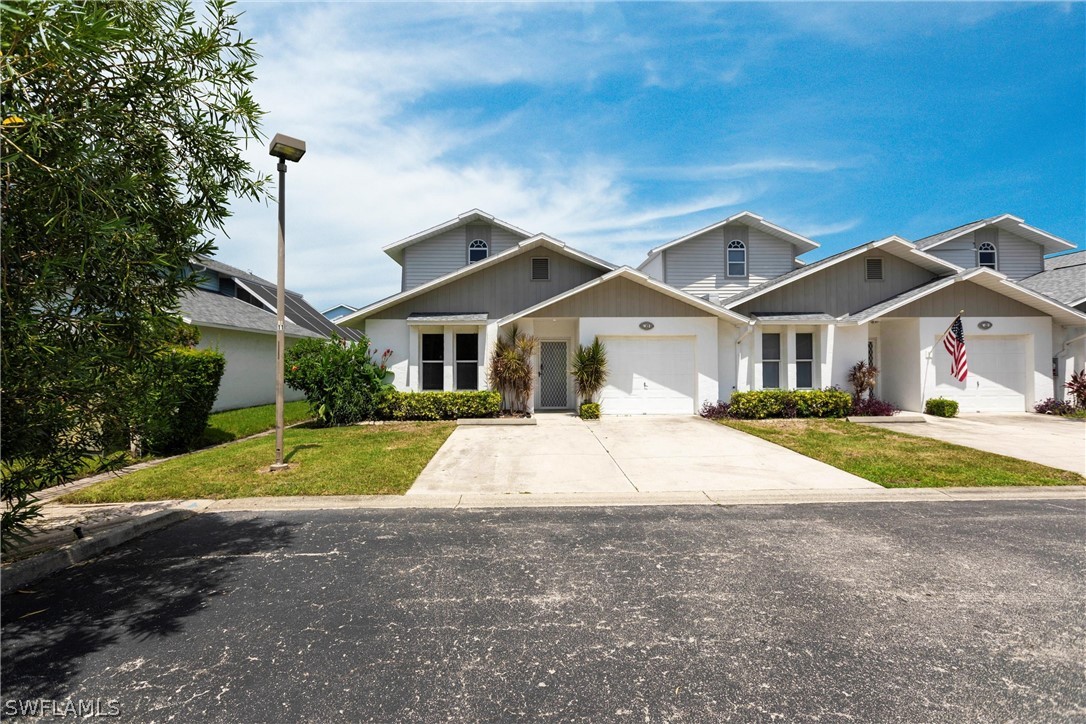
(1075, 258)
(440, 317)
(1065, 284)
(804, 318)
(934, 239)
(209, 308)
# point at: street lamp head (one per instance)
(286, 148)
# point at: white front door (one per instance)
(649, 376)
(998, 375)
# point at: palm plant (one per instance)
(510, 371)
(1077, 387)
(862, 376)
(590, 369)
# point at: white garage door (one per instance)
(998, 375)
(649, 376)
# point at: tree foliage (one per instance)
(123, 126)
(340, 379)
(510, 371)
(590, 369)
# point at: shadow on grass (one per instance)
(290, 455)
(143, 590)
(214, 436)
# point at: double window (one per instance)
(737, 259)
(478, 250)
(771, 360)
(465, 363)
(986, 255)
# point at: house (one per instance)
(235, 313)
(731, 307)
(340, 310)
(1064, 279)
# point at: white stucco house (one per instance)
(732, 307)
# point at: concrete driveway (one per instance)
(1044, 439)
(563, 454)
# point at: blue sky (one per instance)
(620, 126)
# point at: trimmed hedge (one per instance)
(180, 388)
(396, 405)
(941, 407)
(761, 404)
(590, 411)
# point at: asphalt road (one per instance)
(918, 612)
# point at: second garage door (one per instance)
(649, 376)
(997, 379)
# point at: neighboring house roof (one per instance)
(743, 217)
(639, 278)
(1007, 222)
(892, 244)
(1065, 284)
(298, 310)
(1074, 258)
(338, 311)
(540, 240)
(988, 278)
(395, 249)
(211, 309)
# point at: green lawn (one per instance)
(354, 460)
(236, 424)
(897, 460)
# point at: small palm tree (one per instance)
(862, 377)
(510, 371)
(590, 369)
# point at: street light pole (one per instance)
(284, 148)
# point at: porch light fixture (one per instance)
(285, 148)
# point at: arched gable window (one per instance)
(986, 255)
(477, 251)
(737, 259)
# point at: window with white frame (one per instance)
(478, 250)
(467, 361)
(771, 360)
(433, 361)
(804, 360)
(737, 258)
(986, 255)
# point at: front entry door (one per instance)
(553, 387)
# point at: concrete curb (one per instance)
(33, 569)
(496, 421)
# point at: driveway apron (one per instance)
(563, 454)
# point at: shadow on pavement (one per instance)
(145, 589)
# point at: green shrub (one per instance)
(396, 405)
(177, 390)
(340, 380)
(941, 407)
(762, 404)
(590, 411)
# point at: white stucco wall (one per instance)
(729, 358)
(249, 378)
(1070, 352)
(899, 355)
(849, 347)
(703, 329)
(391, 334)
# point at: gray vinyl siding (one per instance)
(1018, 258)
(973, 298)
(698, 265)
(448, 251)
(498, 290)
(840, 289)
(620, 298)
(959, 252)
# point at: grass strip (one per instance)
(355, 460)
(898, 460)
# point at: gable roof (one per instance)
(211, 309)
(626, 272)
(894, 245)
(985, 277)
(395, 249)
(743, 217)
(535, 242)
(1007, 222)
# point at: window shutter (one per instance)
(874, 270)
(541, 269)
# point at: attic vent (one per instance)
(873, 270)
(541, 269)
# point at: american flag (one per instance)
(954, 341)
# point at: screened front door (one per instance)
(553, 382)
